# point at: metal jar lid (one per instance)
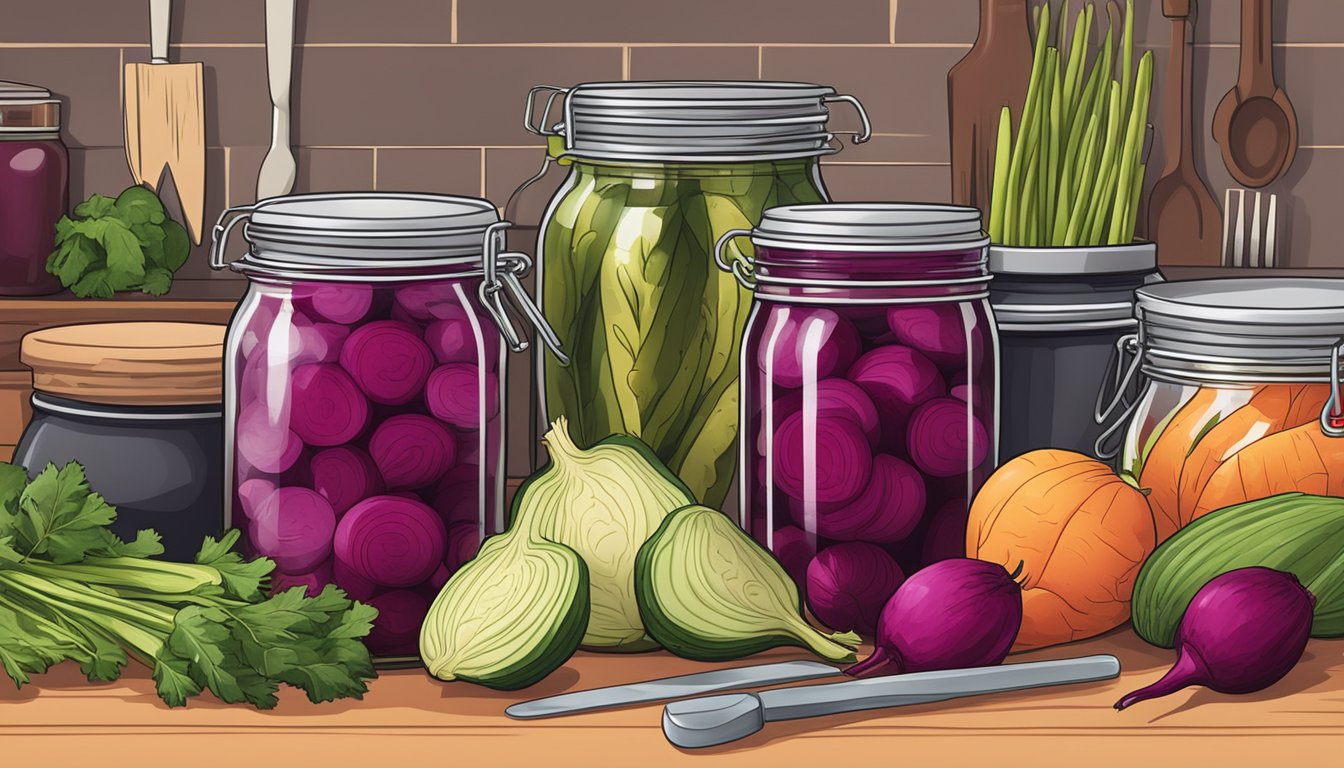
(29, 110)
(691, 121)
(128, 363)
(876, 227)
(881, 229)
(1073, 289)
(1235, 330)
(358, 232)
(384, 237)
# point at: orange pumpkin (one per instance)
(1080, 533)
(1299, 459)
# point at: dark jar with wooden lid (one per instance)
(139, 406)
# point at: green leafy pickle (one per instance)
(652, 326)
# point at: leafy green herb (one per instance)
(123, 244)
(70, 589)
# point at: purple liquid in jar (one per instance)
(868, 416)
(360, 459)
(33, 197)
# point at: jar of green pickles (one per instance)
(658, 172)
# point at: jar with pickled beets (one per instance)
(869, 391)
(363, 393)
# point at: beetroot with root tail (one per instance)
(1242, 632)
(953, 614)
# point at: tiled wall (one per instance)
(427, 94)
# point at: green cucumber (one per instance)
(1293, 532)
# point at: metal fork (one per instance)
(1263, 234)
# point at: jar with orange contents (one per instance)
(1238, 397)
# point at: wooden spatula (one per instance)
(1183, 217)
(165, 121)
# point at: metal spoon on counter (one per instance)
(714, 720)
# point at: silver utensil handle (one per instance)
(671, 688)
(923, 687)
(160, 19)
(279, 50)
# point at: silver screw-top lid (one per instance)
(692, 121)
(886, 227)
(1241, 329)
(28, 109)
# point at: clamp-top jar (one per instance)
(658, 172)
(869, 391)
(364, 393)
(1223, 365)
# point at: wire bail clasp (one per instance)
(219, 236)
(1332, 415)
(1123, 378)
(742, 266)
(502, 270)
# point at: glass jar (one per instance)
(34, 188)
(869, 386)
(138, 405)
(658, 172)
(1220, 365)
(364, 398)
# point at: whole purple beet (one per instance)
(955, 613)
(1242, 632)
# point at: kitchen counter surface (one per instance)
(410, 719)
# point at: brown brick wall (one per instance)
(426, 94)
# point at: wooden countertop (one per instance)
(409, 719)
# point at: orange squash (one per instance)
(1161, 471)
(1299, 459)
(1080, 533)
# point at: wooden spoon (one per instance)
(1183, 216)
(1255, 124)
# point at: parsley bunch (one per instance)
(70, 589)
(125, 244)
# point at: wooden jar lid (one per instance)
(129, 363)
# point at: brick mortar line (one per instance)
(603, 45)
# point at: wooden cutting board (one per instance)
(164, 116)
(995, 72)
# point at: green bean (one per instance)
(1127, 52)
(1134, 135)
(1085, 181)
(1002, 151)
(1096, 217)
(1051, 179)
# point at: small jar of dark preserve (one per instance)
(34, 194)
(869, 392)
(139, 406)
